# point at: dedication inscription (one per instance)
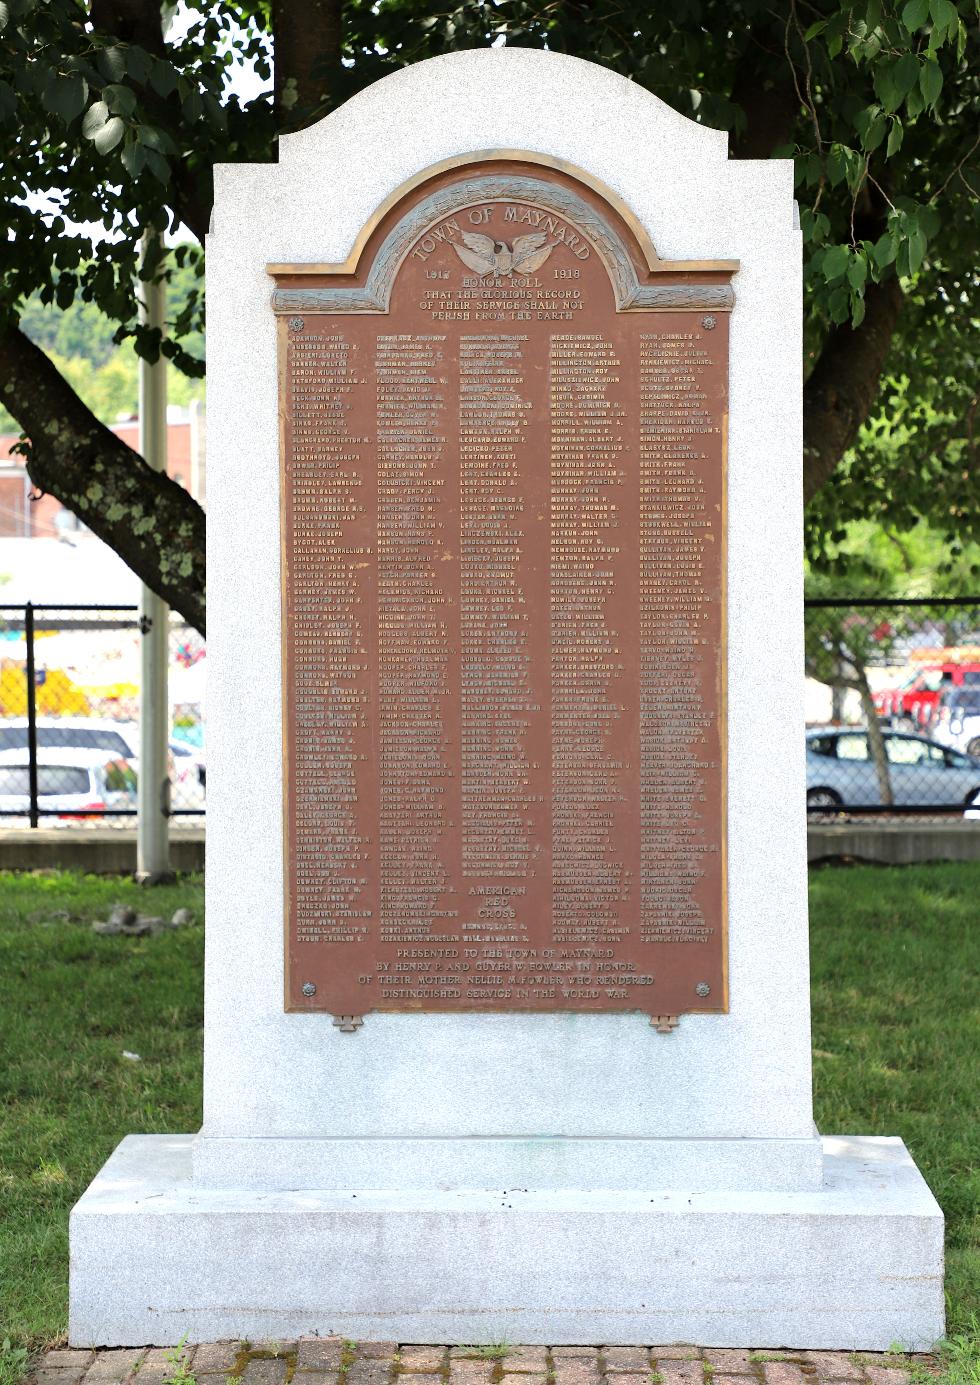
(503, 452)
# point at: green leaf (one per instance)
(906, 73)
(876, 132)
(158, 166)
(163, 79)
(818, 28)
(95, 117)
(857, 311)
(155, 139)
(216, 112)
(857, 273)
(134, 159)
(886, 248)
(840, 304)
(915, 14)
(931, 81)
(139, 64)
(885, 88)
(112, 63)
(895, 137)
(835, 261)
(65, 96)
(121, 100)
(914, 104)
(109, 136)
(917, 249)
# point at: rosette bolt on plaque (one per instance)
(296, 324)
(708, 322)
(702, 988)
(309, 988)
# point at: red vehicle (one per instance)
(915, 701)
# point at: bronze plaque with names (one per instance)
(503, 485)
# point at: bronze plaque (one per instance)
(503, 473)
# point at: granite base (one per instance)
(855, 1264)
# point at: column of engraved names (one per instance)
(413, 639)
(498, 700)
(590, 875)
(328, 652)
(675, 528)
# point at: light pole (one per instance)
(153, 788)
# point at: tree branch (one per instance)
(842, 389)
(155, 526)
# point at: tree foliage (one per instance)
(106, 123)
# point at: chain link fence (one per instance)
(893, 707)
(69, 709)
(892, 711)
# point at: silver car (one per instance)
(840, 772)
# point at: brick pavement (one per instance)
(334, 1361)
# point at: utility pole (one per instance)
(153, 790)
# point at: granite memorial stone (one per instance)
(506, 1014)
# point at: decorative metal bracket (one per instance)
(348, 1024)
(662, 1023)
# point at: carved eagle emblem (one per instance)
(485, 255)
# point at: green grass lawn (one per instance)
(895, 1042)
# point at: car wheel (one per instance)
(823, 798)
(973, 747)
(973, 794)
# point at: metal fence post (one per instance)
(153, 787)
(31, 714)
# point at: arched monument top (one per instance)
(471, 89)
(452, 184)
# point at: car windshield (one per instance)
(965, 700)
(51, 780)
(63, 737)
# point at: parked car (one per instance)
(841, 773)
(958, 719)
(120, 738)
(913, 704)
(68, 781)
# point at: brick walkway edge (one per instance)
(332, 1361)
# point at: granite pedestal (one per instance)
(535, 1177)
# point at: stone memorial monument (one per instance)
(507, 1015)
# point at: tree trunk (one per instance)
(154, 525)
(842, 389)
(876, 741)
(308, 41)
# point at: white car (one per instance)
(957, 721)
(68, 781)
(118, 738)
